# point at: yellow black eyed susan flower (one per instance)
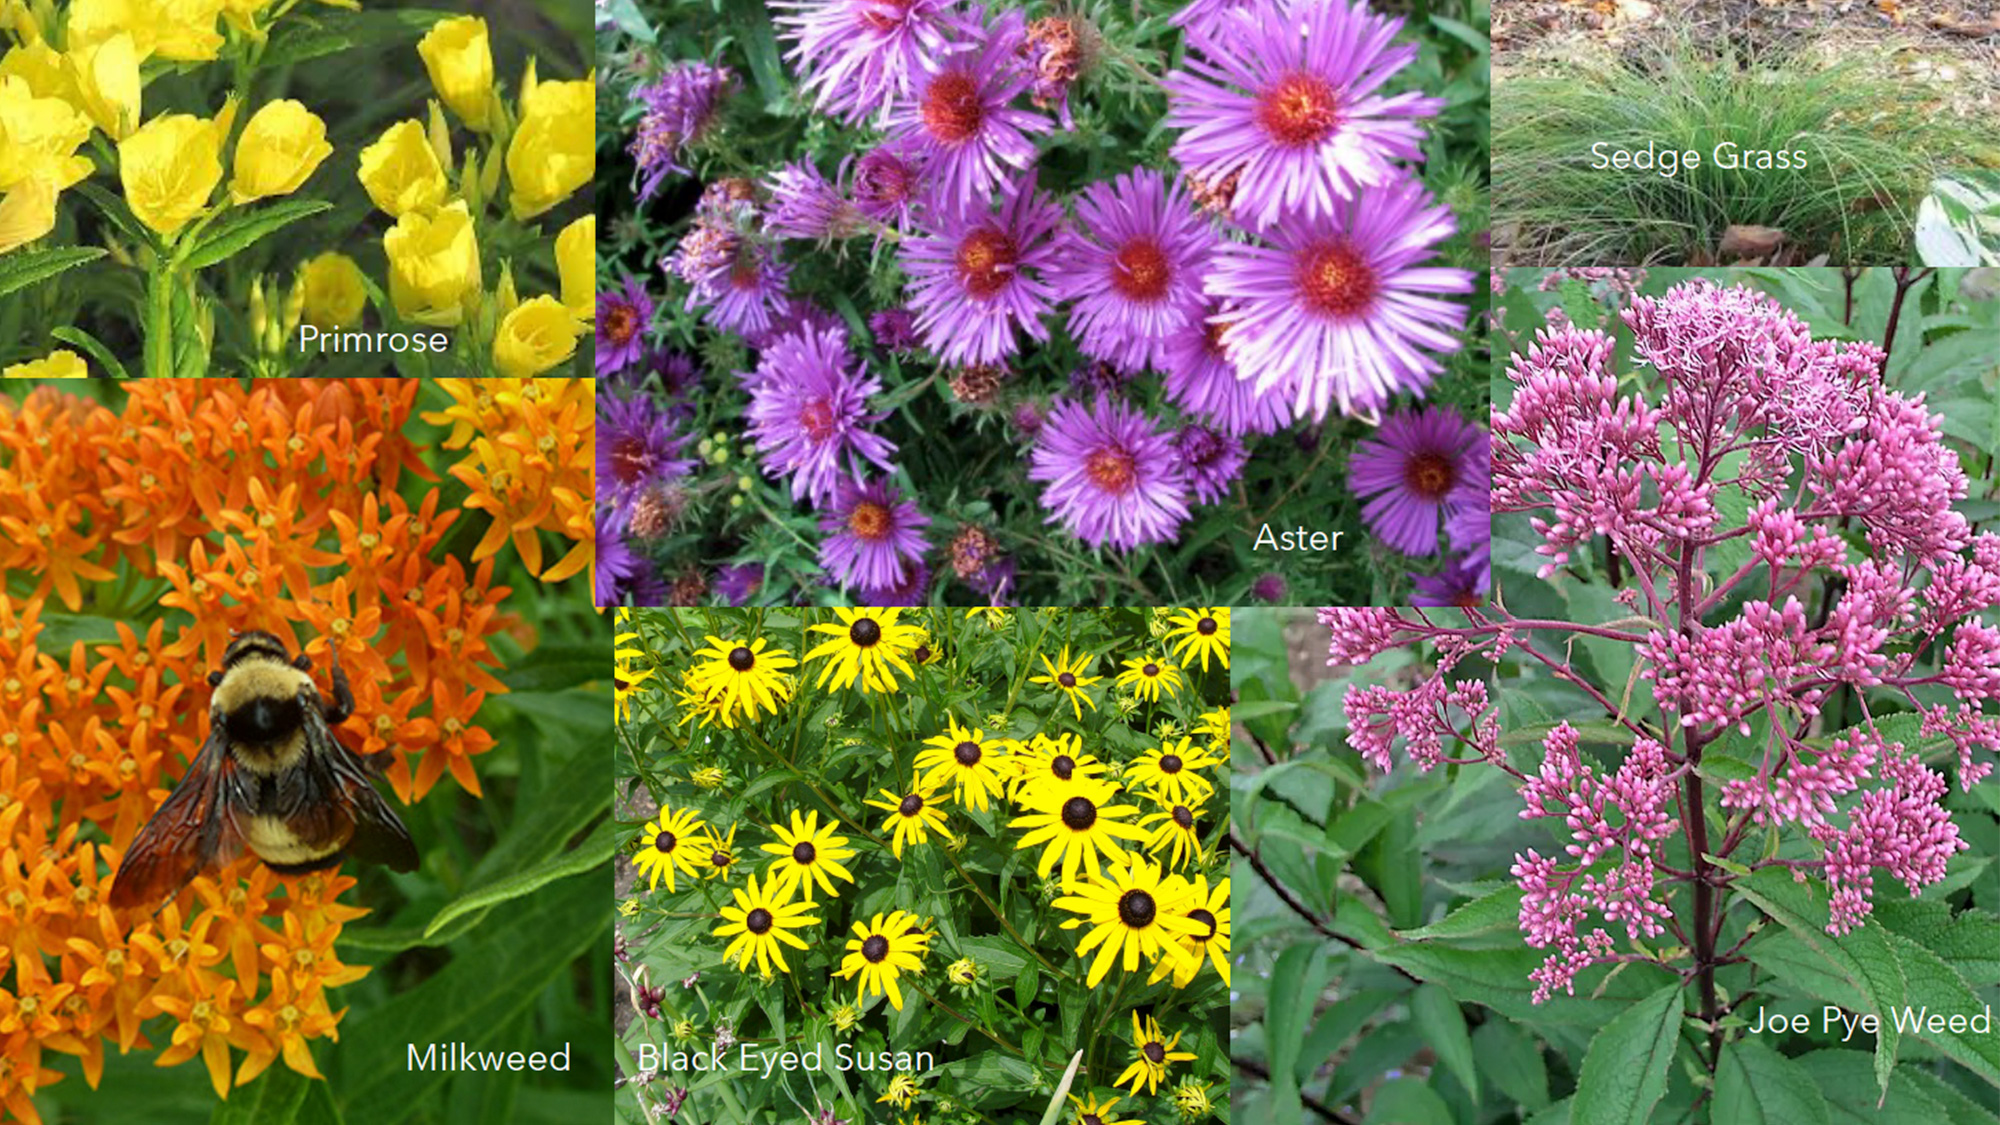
(747, 677)
(1134, 915)
(902, 1091)
(1057, 761)
(1208, 907)
(763, 917)
(1203, 632)
(1154, 1053)
(719, 856)
(1214, 726)
(1169, 771)
(626, 680)
(709, 777)
(1069, 678)
(867, 645)
(1148, 676)
(912, 816)
(884, 948)
(1090, 1111)
(699, 704)
(926, 650)
(1078, 823)
(810, 851)
(975, 765)
(1173, 827)
(672, 840)
(1192, 1100)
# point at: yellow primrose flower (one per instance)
(58, 364)
(39, 136)
(334, 297)
(433, 265)
(42, 67)
(182, 30)
(105, 76)
(401, 171)
(576, 263)
(537, 335)
(242, 14)
(554, 152)
(460, 62)
(282, 145)
(170, 166)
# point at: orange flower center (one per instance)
(986, 262)
(1112, 469)
(1299, 110)
(869, 520)
(1142, 271)
(951, 108)
(621, 324)
(1335, 280)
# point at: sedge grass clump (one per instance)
(1866, 146)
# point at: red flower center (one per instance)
(1111, 468)
(1141, 272)
(986, 261)
(886, 21)
(1430, 476)
(1335, 280)
(1469, 600)
(630, 460)
(869, 520)
(1213, 333)
(622, 324)
(817, 419)
(744, 275)
(951, 108)
(1299, 110)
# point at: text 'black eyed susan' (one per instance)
(882, 949)
(868, 646)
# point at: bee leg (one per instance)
(343, 695)
(214, 679)
(302, 662)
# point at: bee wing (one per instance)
(193, 830)
(379, 835)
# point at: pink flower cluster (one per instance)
(1902, 829)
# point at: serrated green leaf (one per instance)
(1497, 911)
(1841, 1077)
(1968, 941)
(1625, 1070)
(1755, 1085)
(1498, 978)
(22, 268)
(1935, 989)
(595, 850)
(241, 229)
(1438, 1017)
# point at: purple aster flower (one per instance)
(1335, 309)
(895, 330)
(1269, 588)
(1132, 264)
(1468, 521)
(737, 583)
(808, 414)
(677, 371)
(888, 182)
(622, 319)
(680, 106)
(1407, 470)
(805, 204)
(970, 284)
(738, 278)
(873, 537)
(795, 315)
(1460, 583)
(855, 56)
(1113, 476)
(1200, 379)
(912, 590)
(1099, 377)
(1204, 14)
(616, 566)
(1028, 417)
(637, 447)
(1213, 460)
(960, 119)
(1283, 97)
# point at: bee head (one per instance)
(251, 645)
(257, 692)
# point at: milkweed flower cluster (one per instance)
(1736, 407)
(1283, 273)
(282, 506)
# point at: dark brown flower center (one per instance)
(742, 659)
(951, 108)
(911, 806)
(865, 632)
(1170, 763)
(1137, 909)
(1206, 919)
(1183, 817)
(1335, 280)
(922, 655)
(986, 262)
(664, 842)
(1430, 476)
(1062, 766)
(1156, 1053)
(1141, 271)
(803, 853)
(1299, 110)
(1067, 680)
(967, 753)
(869, 520)
(758, 921)
(1111, 468)
(876, 949)
(1079, 814)
(1151, 669)
(720, 859)
(1206, 626)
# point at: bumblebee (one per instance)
(271, 777)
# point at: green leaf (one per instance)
(1935, 989)
(555, 667)
(1969, 941)
(1443, 1025)
(120, 214)
(625, 15)
(1625, 1070)
(1755, 1085)
(1338, 1024)
(1500, 910)
(760, 46)
(596, 849)
(1510, 1056)
(1296, 981)
(1405, 1101)
(279, 1096)
(92, 347)
(313, 33)
(1062, 1090)
(22, 268)
(237, 232)
(1498, 978)
(1841, 1077)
